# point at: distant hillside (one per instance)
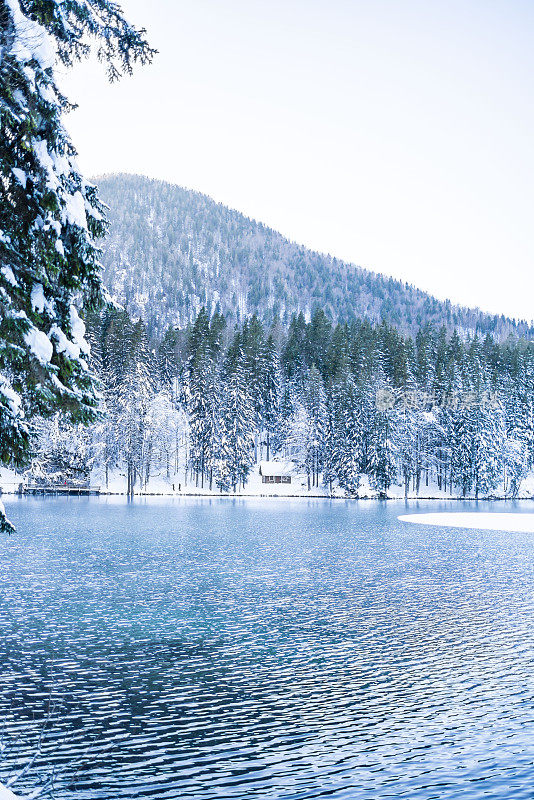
(171, 250)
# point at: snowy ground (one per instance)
(521, 523)
(177, 485)
(298, 487)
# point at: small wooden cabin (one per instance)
(276, 471)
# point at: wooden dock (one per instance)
(62, 489)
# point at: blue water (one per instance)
(267, 649)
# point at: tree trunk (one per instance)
(148, 464)
(131, 478)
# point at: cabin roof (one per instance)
(268, 468)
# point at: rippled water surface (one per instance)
(266, 649)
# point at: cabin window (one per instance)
(276, 479)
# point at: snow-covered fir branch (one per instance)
(50, 217)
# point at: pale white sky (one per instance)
(395, 134)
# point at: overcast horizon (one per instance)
(395, 139)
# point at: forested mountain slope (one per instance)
(171, 250)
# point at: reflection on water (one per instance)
(266, 649)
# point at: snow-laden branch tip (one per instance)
(39, 345)
(31, 40)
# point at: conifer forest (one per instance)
(356, 408)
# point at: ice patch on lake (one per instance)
(486, 521)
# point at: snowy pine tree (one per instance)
(236, 441)
(50, 217)
(344, 434)
(203, 408)
(271, 396)
(132, 407)
(314, 400)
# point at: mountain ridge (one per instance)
(172, 250)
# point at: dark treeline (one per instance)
(352, 405)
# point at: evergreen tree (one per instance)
(236, 444)
(314, 400)
(299, 441)
(344, 434)
(50, 217)
(461, 422)
(203, 407)
(254, 365)
(383, 446)
(488, 444)
(132, 404)
(271, 396)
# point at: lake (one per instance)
(265, 648)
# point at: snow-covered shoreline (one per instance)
(176, 486)
(214, 495)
